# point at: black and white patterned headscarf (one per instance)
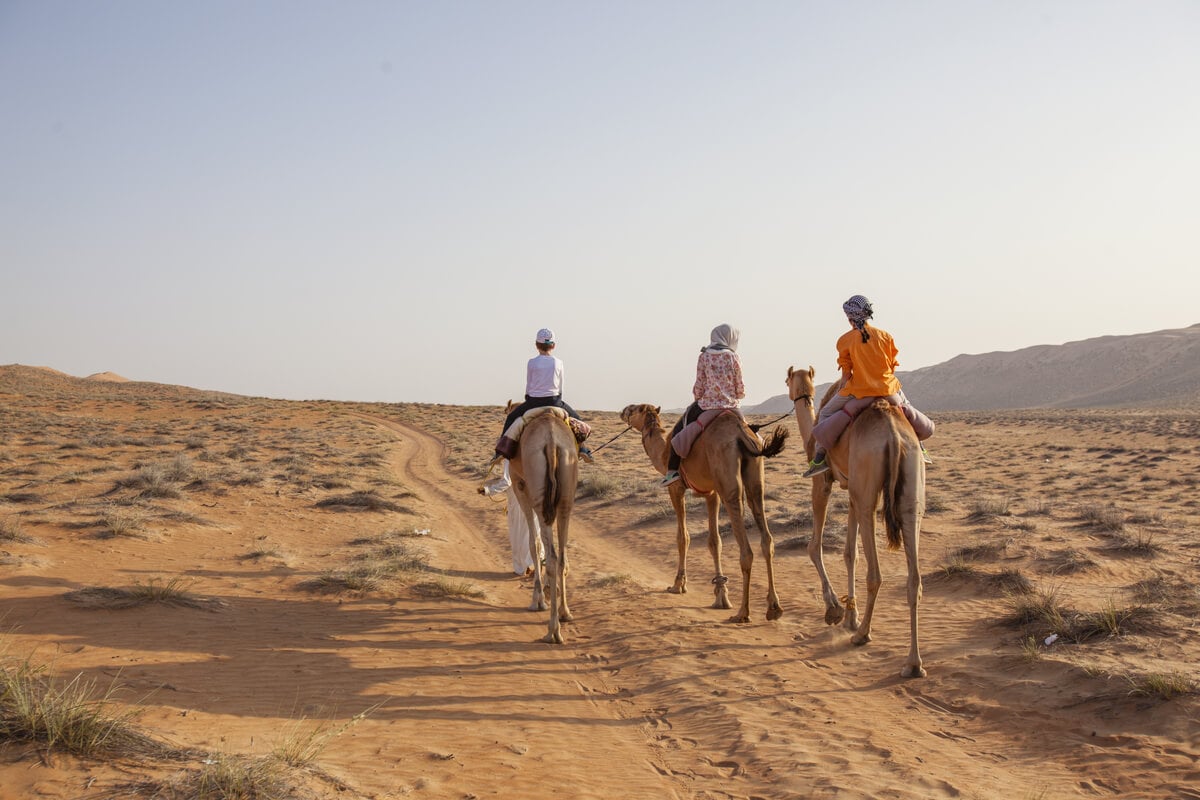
(858, 310)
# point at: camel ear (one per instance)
(789, 373)
(812, 373)
(658, 409)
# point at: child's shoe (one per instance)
(816, 467)
(925, 455)
(669, 478)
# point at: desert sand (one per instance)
(341, 581)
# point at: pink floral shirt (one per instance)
(718, 380)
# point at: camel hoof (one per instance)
(859, 641)
(553, 638)
(566, 616)
(910, 671)
(834, 615)
(536, 606)
(740, 619)
(677, 589)
(775, 612)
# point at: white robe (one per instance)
(518, 529)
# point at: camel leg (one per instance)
(536, 549)
(912, 536)
(754, 497)
(866, 523)
(676, 492)
(737, 520)
(720, 582)
(553, 574)
(564, 519)
(821, 488)
(850, 555)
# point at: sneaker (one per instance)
(669, 478)
(585, 455)
(816, 468)
(925, 455)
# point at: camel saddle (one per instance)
(579, 429)
(828, 431)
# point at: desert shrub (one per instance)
(300, 748)
(1164, 685)
(122, 522)
(444, 587)
(172, 593)
(1040, 607)
(1105, 518)
(1070, 561)
(359, 501)
(72, 715)
(1011, 581)
(987, 508)
(989, 551)
(601, 485)
(1110, 621)
(1141, 543)
(12, 531)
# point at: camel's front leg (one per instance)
(676, 492)
(821, 488)
(720, 582)
(866, 523)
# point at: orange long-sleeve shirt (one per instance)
(871, 365)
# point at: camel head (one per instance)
(800, 384)
(636, 416)
(509, 406)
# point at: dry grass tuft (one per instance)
(368, 500)
(74, 716)
(170, 593)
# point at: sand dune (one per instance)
(339, 578)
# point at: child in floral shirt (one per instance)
(718, 386)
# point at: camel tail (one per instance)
(550, 498)
(773, 446)
(893, 495)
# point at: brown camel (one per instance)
(725, 464)
(544, 475)
(877, 455)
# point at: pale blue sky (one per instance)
(383, 201)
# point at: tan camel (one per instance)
(544, 476)
(725, 464)
(877, 455)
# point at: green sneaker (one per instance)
(816, 468)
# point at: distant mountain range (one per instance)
(1153, 370)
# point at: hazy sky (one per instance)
(383, 201)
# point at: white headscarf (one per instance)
(723, 337)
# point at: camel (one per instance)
(877, 455)
(544, 475)
(725, 463)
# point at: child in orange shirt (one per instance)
(867, 359)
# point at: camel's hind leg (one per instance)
(737, 520)
(754, 497)
(564, 519)
(865, 513)
(554, 576)
(536, 549)
(720, 582)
